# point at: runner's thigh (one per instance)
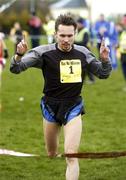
(72, 134)
(51, 134)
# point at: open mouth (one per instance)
(66, 45)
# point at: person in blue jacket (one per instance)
(114, 41)
(101, 29)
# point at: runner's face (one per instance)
(65, 37)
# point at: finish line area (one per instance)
(14, 153)
(82, 155)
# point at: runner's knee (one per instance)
(71, 161)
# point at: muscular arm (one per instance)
(30, 59)
(22, 60)
(100, 69)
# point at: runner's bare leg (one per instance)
(72, 133)
(51, 137)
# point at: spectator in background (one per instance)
(123, 21)
(35, 26)
(119, 28)
(101, 29)
(113, 37)
(49, 27)
(82, 38)
(107, 29)
(3, 54)
(16, 34)
(122, 48)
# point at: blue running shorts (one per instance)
(61, 111)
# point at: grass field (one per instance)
(104, 128)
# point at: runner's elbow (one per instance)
(14, 70)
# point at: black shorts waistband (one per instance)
(62, 99)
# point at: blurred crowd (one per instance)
(114, 34)
(88, 35)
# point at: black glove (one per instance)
(6, 55)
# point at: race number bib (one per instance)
(70, 71)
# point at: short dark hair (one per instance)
(65, 19)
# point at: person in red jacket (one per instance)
(35, 28)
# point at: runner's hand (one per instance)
(22, 47)
(104, 51)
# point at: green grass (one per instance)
(104, 128)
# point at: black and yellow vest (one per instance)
(122, 44)
(79, 35)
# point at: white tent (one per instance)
(106, 7)
(77, 7)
